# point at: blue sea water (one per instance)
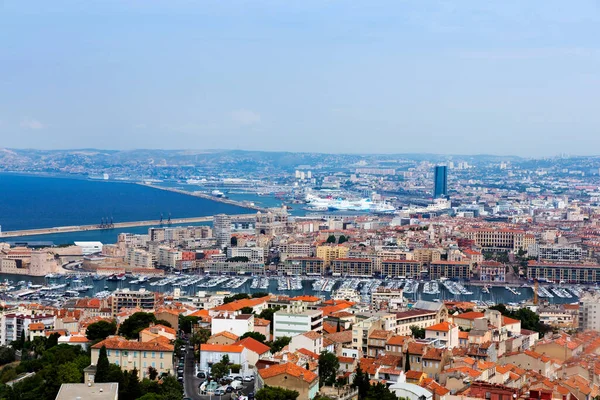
(28, 202)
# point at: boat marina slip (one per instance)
(55, 289)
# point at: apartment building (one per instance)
(589, 312)
(389, 299)
(401, 268)
(560, 254)
(449, 269)
(236, 324)
(222, 230)
(254, 254)
(14, 323)
(330, 253)
(294, 323)
(130, 354)
(139, 258)
(303, 266)
(125, 298)
(352, 267)
(500, 239)
(563, 272)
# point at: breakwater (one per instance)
(116, 225)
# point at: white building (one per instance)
(213, 353)
(222, 230)
(236, 324)
(310, 340)
(446, 333)
(293, 324)
(589, 312)
(254, 254)
(89, 247)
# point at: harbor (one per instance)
(55, 289)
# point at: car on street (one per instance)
(219, 392)
(248, 378)
(201, 375)
(239, 378)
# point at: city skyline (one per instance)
(313, 77)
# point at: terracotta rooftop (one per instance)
(441, 327)
(288, 369)
(227, 334)
(222, 348)
(239, 304)
(120, 343)
(471, 315)
(254, 345)
(312, 335)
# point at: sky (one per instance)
(508, 77)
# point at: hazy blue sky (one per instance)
(501, 77)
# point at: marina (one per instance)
(54, 289)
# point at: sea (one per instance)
(31, 201)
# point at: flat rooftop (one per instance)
(98, 391)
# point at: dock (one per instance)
(207, 196)
(118, 225)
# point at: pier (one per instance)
(117, 225)
(207, 196)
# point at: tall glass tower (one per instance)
(440, 181)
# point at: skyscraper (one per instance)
(222, 230)
(440, 181)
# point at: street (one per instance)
(191, 382)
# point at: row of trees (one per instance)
(331, 239)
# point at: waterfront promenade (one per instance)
(117, 225)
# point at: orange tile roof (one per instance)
(471, 315)
(261, 322)
(463, 335)
(308, 353)
(441, 327)
(120, 343)
(222, 348)
(415, 375)
(509, 321)
(160, 327)
(288, 369)
(380, 334)
(78, 339)
(306, 298)
(227, 334)
(346, 360)
(38, 326)
(397, 340)
(239, 304)
(312, 335)
(254, 345)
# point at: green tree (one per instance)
(380, 392)
(328, 368)
(235, 297)
(342, 239)
(406, 362)
(52, 340)
(133, 387)
(280, 343)
(163, 323)
(254, 335)
(100, 330)
(102, 367)
(267, 314)
(259, 294)
(152, 373)
(331, 239)
(246, 310)
(170, 389)
(361, 382)
(132, 326)
(200, 337)
(221, 368)
(187, 323)
(7, 355)
(70, 373)
(276, 393)
(234, 241)
(418, 333)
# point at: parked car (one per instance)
(201, 375)
(220, 392)
(251, 396)
(239, 378)
(229, 389)
(180, 378)
(249, 378)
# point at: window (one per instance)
(108, 352)
(153, 364)
(153, 354)
(117, 353)
(135, 353)
(145, 354)
(161, 355)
